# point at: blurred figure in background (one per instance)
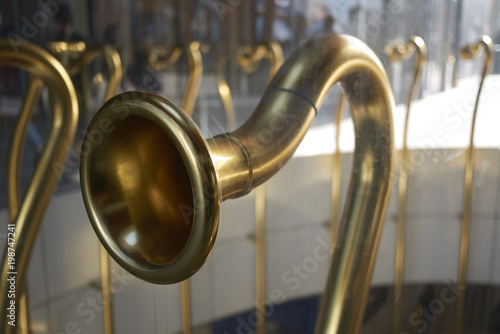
(320, 20)
(63, 26)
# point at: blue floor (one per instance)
(293, 317)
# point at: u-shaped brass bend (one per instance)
(28, 214)
(153, 185)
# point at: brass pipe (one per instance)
(27, 215)
(225, 95)
(483, 46)
(248, 60)
(336, 175)
(159, 58)
(153, 186)
(415, 45)
(76, 57)
(14, 180)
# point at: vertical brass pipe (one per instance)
(76, 57)
(106, 290)
(113, 62)
(225, 95)
(193, 85)
(14, 178)
(336, 175)
(158, 59)
(185, 307)
(485, 46)
(196, 70)
(274, 53)
(415, 45)
(28, 216)
(260, 256)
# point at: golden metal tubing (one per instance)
(485, 46)
(249, 59)
(154, 185)
(76, 57)
(415, 45)
(336, 175)
(113, 62)
(249, 62)
(14, 172)
(29, 213)
(225, 95)
(159, 58)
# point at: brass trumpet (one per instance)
(152, 185)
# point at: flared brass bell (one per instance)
(152, 185)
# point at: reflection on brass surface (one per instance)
(27, 214)
(159, 58)
(153, 187)
(76, 57)
(485, 45)
(415, 45)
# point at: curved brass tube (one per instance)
(14, 178)
(250, 60)
(159, 58)
(336, 175)
(153, 186)
(76, 56)
(26, 216)
(225, 95)
(415, 45)
(483, 46)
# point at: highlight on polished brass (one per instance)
(154, 185)
(76, 57)
(397, 52)
(26, 215)
(483, 46)
(159, 58)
